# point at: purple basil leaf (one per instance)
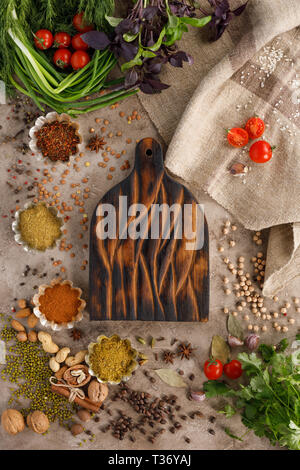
(147, 88)
(239, 11)
(125, 26)
(96, 39)
(131, 78)
(128, 50)
(149, 12)
(154, 66)
(157, 84)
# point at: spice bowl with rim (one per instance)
(50, 323)
(132, 363)
(18, 234)
(40, 122)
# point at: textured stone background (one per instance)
(14, 259)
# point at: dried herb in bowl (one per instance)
(57, 140)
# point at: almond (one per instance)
(32, 336)
(32, 320)
(16, 325)
(23, 313)
(22, 336)
(22, 303)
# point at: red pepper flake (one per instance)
(57, 140)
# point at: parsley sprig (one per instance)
(270, 403)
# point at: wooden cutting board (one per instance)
(147, 278)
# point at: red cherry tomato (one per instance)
(43, 39)
(62, 58)
(233, 369)
(255, 127)
(79, 59)
(237, 137)
(213, 369)
(261, 151)
(62, 40)
(80, 24)
(78, 43)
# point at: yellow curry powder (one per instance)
(60, 303)
(111, 359)
(39, 227)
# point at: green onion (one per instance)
(36, 77)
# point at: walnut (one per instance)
(12, 421)
(38, 422)
(97, 391)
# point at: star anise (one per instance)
(168, 357)
(95, 144)
(76, 334)
(185, 350)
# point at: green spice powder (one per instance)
(39, 227)
(111, 359)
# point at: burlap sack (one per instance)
(251, 70)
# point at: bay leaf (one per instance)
(234, 327)
(220, 349)
(170, 377)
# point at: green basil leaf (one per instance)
(173, 22)
(158, 43)
(197, 22)
(136, 61)
(130, 37)
(113, 21)
(148, 54)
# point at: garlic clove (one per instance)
(198, 396)
(234, 342)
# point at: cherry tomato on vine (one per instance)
(78, 44)
(237, 137)
(43, 39)
(213, 369)
(80, 24)
(79, 59)
(261, 151)
(62, 58)
(62, 40)
(255, 127)
(233, 369)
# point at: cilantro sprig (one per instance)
(270, 402)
